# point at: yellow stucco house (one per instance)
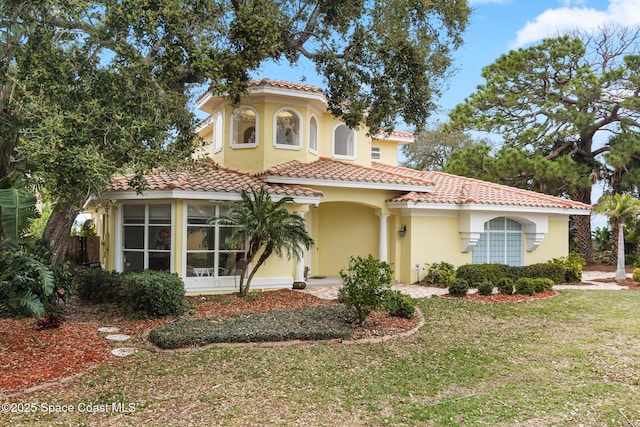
(346, 185)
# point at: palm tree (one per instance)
(264, 225)
(620, 209)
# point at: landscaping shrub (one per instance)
(364, 285)
(525, 286)
(475, 274)
(398, 304)
(548, 270)
(485, 288)
(636, 275)
(440, 273)
(459, 288)
(505, 286)
(311, 323)
(93, 284)
(542, 284)
(573, 265)
(151, 294)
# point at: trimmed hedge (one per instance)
(505, 286)
(555, 270)
(152, 294)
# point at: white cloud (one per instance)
(552, 21)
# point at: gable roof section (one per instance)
(207, 177)
(334, 173)
(459, 190)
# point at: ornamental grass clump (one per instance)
(459, 288)
(364, 286)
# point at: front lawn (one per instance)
(565, 361)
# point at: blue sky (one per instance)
(497, 26)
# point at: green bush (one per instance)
(573, 265)
(485, 288)
(505, 286)
(475, 274)
(459, 288)
(525, 286)
(440, 273)
(364, 285)
(93, 284)
(542, 284)
(636, 275)
(152, 294)
(547, 270)
(398, 304)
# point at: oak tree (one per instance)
(89, 89)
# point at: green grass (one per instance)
(566, 361)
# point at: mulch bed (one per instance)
(30, 356)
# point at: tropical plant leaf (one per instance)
(27, 300)
(16, 207)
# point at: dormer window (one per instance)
(287, 129)
(313, 135)
(245, 125)
(344, 142)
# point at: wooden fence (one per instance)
(84, 249)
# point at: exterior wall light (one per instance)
(403, 230)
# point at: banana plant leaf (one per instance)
(16, 207)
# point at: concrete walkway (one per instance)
(327, 287)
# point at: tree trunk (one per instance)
(267, 252)
(621, 274)
(56, 235)
(583, 226)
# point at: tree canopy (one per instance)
(91, 88)
(433, 148)
(573, 100)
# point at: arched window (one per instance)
(313, 134)
(343, 142)
(501, 243)
(217, 133)
(286, 128)
(245, 123)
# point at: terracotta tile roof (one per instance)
(274, 83)
(285, 85)
(395, 133)
(209, 177)
(326, 169)
(453, 189)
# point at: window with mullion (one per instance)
(501, 243)
(146, 237)
(208, 252)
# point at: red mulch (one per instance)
(30, 356)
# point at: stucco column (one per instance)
(299, 281)
(383, 237)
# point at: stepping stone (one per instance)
(108, 330)
(118, 337)
(123, 351)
